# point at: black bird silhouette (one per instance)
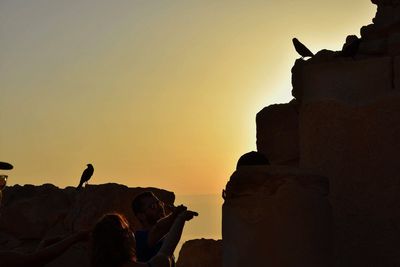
(87, 173)
(301, 49)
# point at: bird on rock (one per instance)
(87, 173)
(301, 49)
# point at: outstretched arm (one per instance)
(41, 257)
(163, 257)
(162, 227)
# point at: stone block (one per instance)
(347, 81)
(356, 148)
(276, 216)
(277, 133)
(200, 252)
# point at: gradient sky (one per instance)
(152, 93)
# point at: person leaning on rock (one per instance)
(45, 254)
(149, 210)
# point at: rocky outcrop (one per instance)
(32, 213)
(277, 133)
(276, 216)
(346, 129)
(357, 147)
(200, 252)
(345, 80)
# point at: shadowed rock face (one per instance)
(348, 131)
(357, 148)
(276, 216)
(30, 213)
(200, 252)
(277, 133)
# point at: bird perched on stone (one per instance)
(87, 173)
(301, 49)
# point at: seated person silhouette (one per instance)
(114, 244)
(156, 224)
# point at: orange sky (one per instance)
(152, 93)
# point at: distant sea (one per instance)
(208, 223)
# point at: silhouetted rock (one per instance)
(345, 80)
(347, 128)
(276, 216)
(30, 213)
(200, 252)
(350, 48)
(252, 158)
(357, 148)
(277, 133)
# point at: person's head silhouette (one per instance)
(252, 158)
(113, 243)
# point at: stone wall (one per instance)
(357, 147)
(200, 253)
(347, 128)
(32, 213)
(276, 216)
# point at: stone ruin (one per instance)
(342, 129)
(31, 213)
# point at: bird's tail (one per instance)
(79, 187)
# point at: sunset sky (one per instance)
(151, 92)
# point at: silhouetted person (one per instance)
(252, 158)
(113, 243)
(5, 166)
(156, 224)
(87, 173)
(301, 49)
(350, 48)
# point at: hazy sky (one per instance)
(152, 92)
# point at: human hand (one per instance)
(179, 209)
(189, 214)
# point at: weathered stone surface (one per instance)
(277, 133)
(396, 67)
(90, 204)
(276, 216)
(200, 252)
(374, 47)
(357, 148)
(344, 80)
(77, 255)
(30, 213)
